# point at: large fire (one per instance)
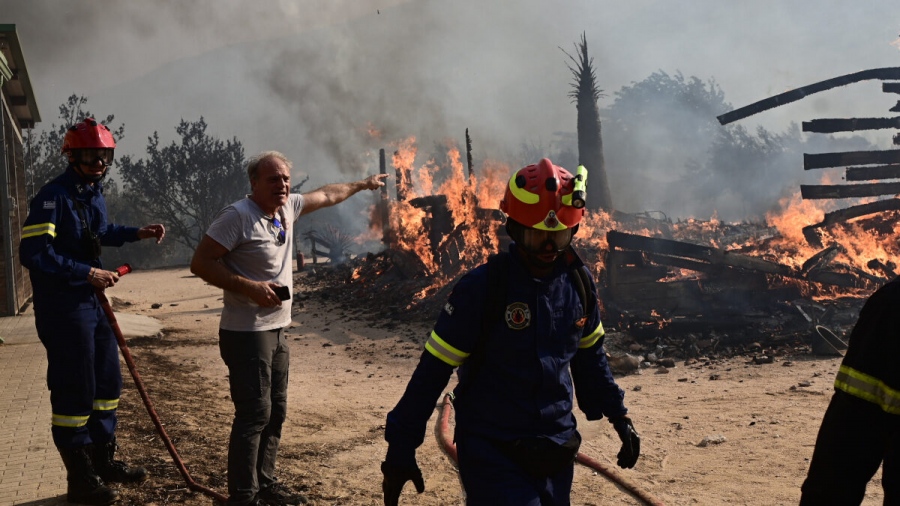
(863, 245)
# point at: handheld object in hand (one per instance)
(283, 292)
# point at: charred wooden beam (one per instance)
(626, 267)
(847, 191)
(820, 259)
(890, 87)
(861, 210)
(693, 251)
(469, 155)
(312, 245)
(684, 263)
(825, 160)
(385, 208)
(827, 126)
(887, 269)
(869, 173)
(887, 73)
(842, 279)
(429, 201)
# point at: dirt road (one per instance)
(714, 432)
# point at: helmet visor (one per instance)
(89, 156)
(538, 240)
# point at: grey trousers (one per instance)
(258, 378)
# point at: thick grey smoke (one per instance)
(311, 77)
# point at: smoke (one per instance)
(315, 79)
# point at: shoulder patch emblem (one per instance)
(518, 316)
(448, 308)
(49, 204)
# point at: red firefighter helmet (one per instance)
(88, 134)
(539, 196)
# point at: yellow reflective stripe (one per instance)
(521, 193)
(868, 388)
(590, 340)
(41, 229)
(446, 353)
(567, 199)
(105, 404)
(69, 421)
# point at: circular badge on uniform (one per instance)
(518, 316)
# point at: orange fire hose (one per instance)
(442, 432)
(126, 353)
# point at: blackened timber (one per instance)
(887, 269)
(890, 87)
(842, 159)
(847, 191)
(861, 210)
(469, 155)
(887, 73)
(820, 259)
(694, 251)
(827, 126)
(869, 173)
(385, 208)
(684, 263)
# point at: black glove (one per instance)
(395, 478)
(631, 442)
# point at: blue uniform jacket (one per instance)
(869, 369)
(539, 352)
(54, 248)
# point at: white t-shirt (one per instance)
(249, 235)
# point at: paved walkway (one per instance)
(31, 472)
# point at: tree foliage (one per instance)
(185, 184)
(666, 151)
(42, 150)
(590, 140)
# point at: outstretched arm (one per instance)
(336, 193)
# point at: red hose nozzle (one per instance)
(123, 269)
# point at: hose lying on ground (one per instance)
(126, 353)
(445, 440)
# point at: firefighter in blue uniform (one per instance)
(66, 226)
(519, 370)
(861, 427)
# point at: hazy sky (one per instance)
(309, 77)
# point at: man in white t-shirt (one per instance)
(247, 252)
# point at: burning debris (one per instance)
(688, 289)
(876, 165)
(681, 290)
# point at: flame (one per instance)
(373, 132)
(865, 245)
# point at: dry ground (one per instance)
(349, 366)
